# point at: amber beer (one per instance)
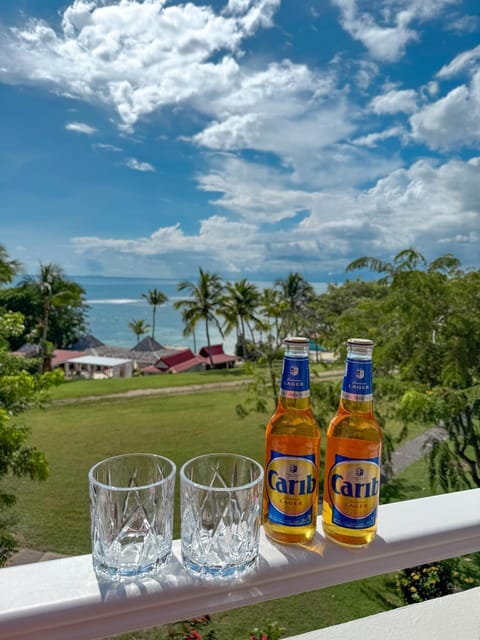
(292, 440)
(353, 451)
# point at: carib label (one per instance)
(354, 486)
(291, 483)
(357, 380)
(295, 382)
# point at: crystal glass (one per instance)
(131, 506)
(221, 514)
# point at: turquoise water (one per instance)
(114, 302)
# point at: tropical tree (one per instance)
(427, 328)
(8, 267)
(139, 328)
(297, 294)
(19, 390)
(155, 298)
(272, 308)
(239, 307)
(56, 293)
(205, 298)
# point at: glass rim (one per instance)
(93, 480)
(207, 487)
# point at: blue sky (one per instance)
(249, 137)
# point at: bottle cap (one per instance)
(360, 342)
(296, 340)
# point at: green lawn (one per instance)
(54, 515)
(82, 388)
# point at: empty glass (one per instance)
(221, 514)
(131, 505)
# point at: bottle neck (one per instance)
(357, 388)
(295, 381)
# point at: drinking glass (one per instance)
(131, 506)
(221, 514)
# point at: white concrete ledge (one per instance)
(452, 617)
(62, 599)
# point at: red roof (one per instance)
(59, 356)
(218, 355)
(179, 361)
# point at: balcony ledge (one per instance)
(62, 598)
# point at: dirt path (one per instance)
(191, 388)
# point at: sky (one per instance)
(249, 137)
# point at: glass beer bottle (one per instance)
(353, 453)
(292, 453)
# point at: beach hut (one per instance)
(221, 360)
(98, 367)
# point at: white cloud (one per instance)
(423, 205)
(136, 165)
(385, 29)
(80, 127)
(135, 57)
(372, 139)
(395, 101)
(107, 147)
(452, 121)
(464, 60)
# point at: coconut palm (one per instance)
(239, 307)
(55, 291)
(139, 328)
(204, 299)
(298, 294)
(8, 267)
(155, 298)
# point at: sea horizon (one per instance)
(115, 301)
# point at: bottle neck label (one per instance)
(295, 381)
(357, 380)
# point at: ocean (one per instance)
(114, 302)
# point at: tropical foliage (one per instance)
(139, 328)
(203, 303)
(155, 298)
(19, 390)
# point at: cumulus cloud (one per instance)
(463, 61)
(373, 139)
(395, 101)
(135, 57)
(386, 29)
(80, 127)
(452, 121)
(334, 225)
(136, 165)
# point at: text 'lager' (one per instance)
(290, 504)
(352, 458)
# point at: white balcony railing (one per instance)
(62, 599)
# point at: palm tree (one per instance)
(273, 307)
(238, 308)
(298, 294)
(155, 298)
(204, 299)
(139, 328)
(8, 267)
(55, 291)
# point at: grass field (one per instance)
(54, 515)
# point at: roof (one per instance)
(179, 361)
(59, 356)
(87, 342)
(28, 350)
(100, 361)
(218, 355)
(148, 344)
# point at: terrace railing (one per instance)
(62, 599)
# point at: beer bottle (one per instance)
(352, 458)
(292, 440)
